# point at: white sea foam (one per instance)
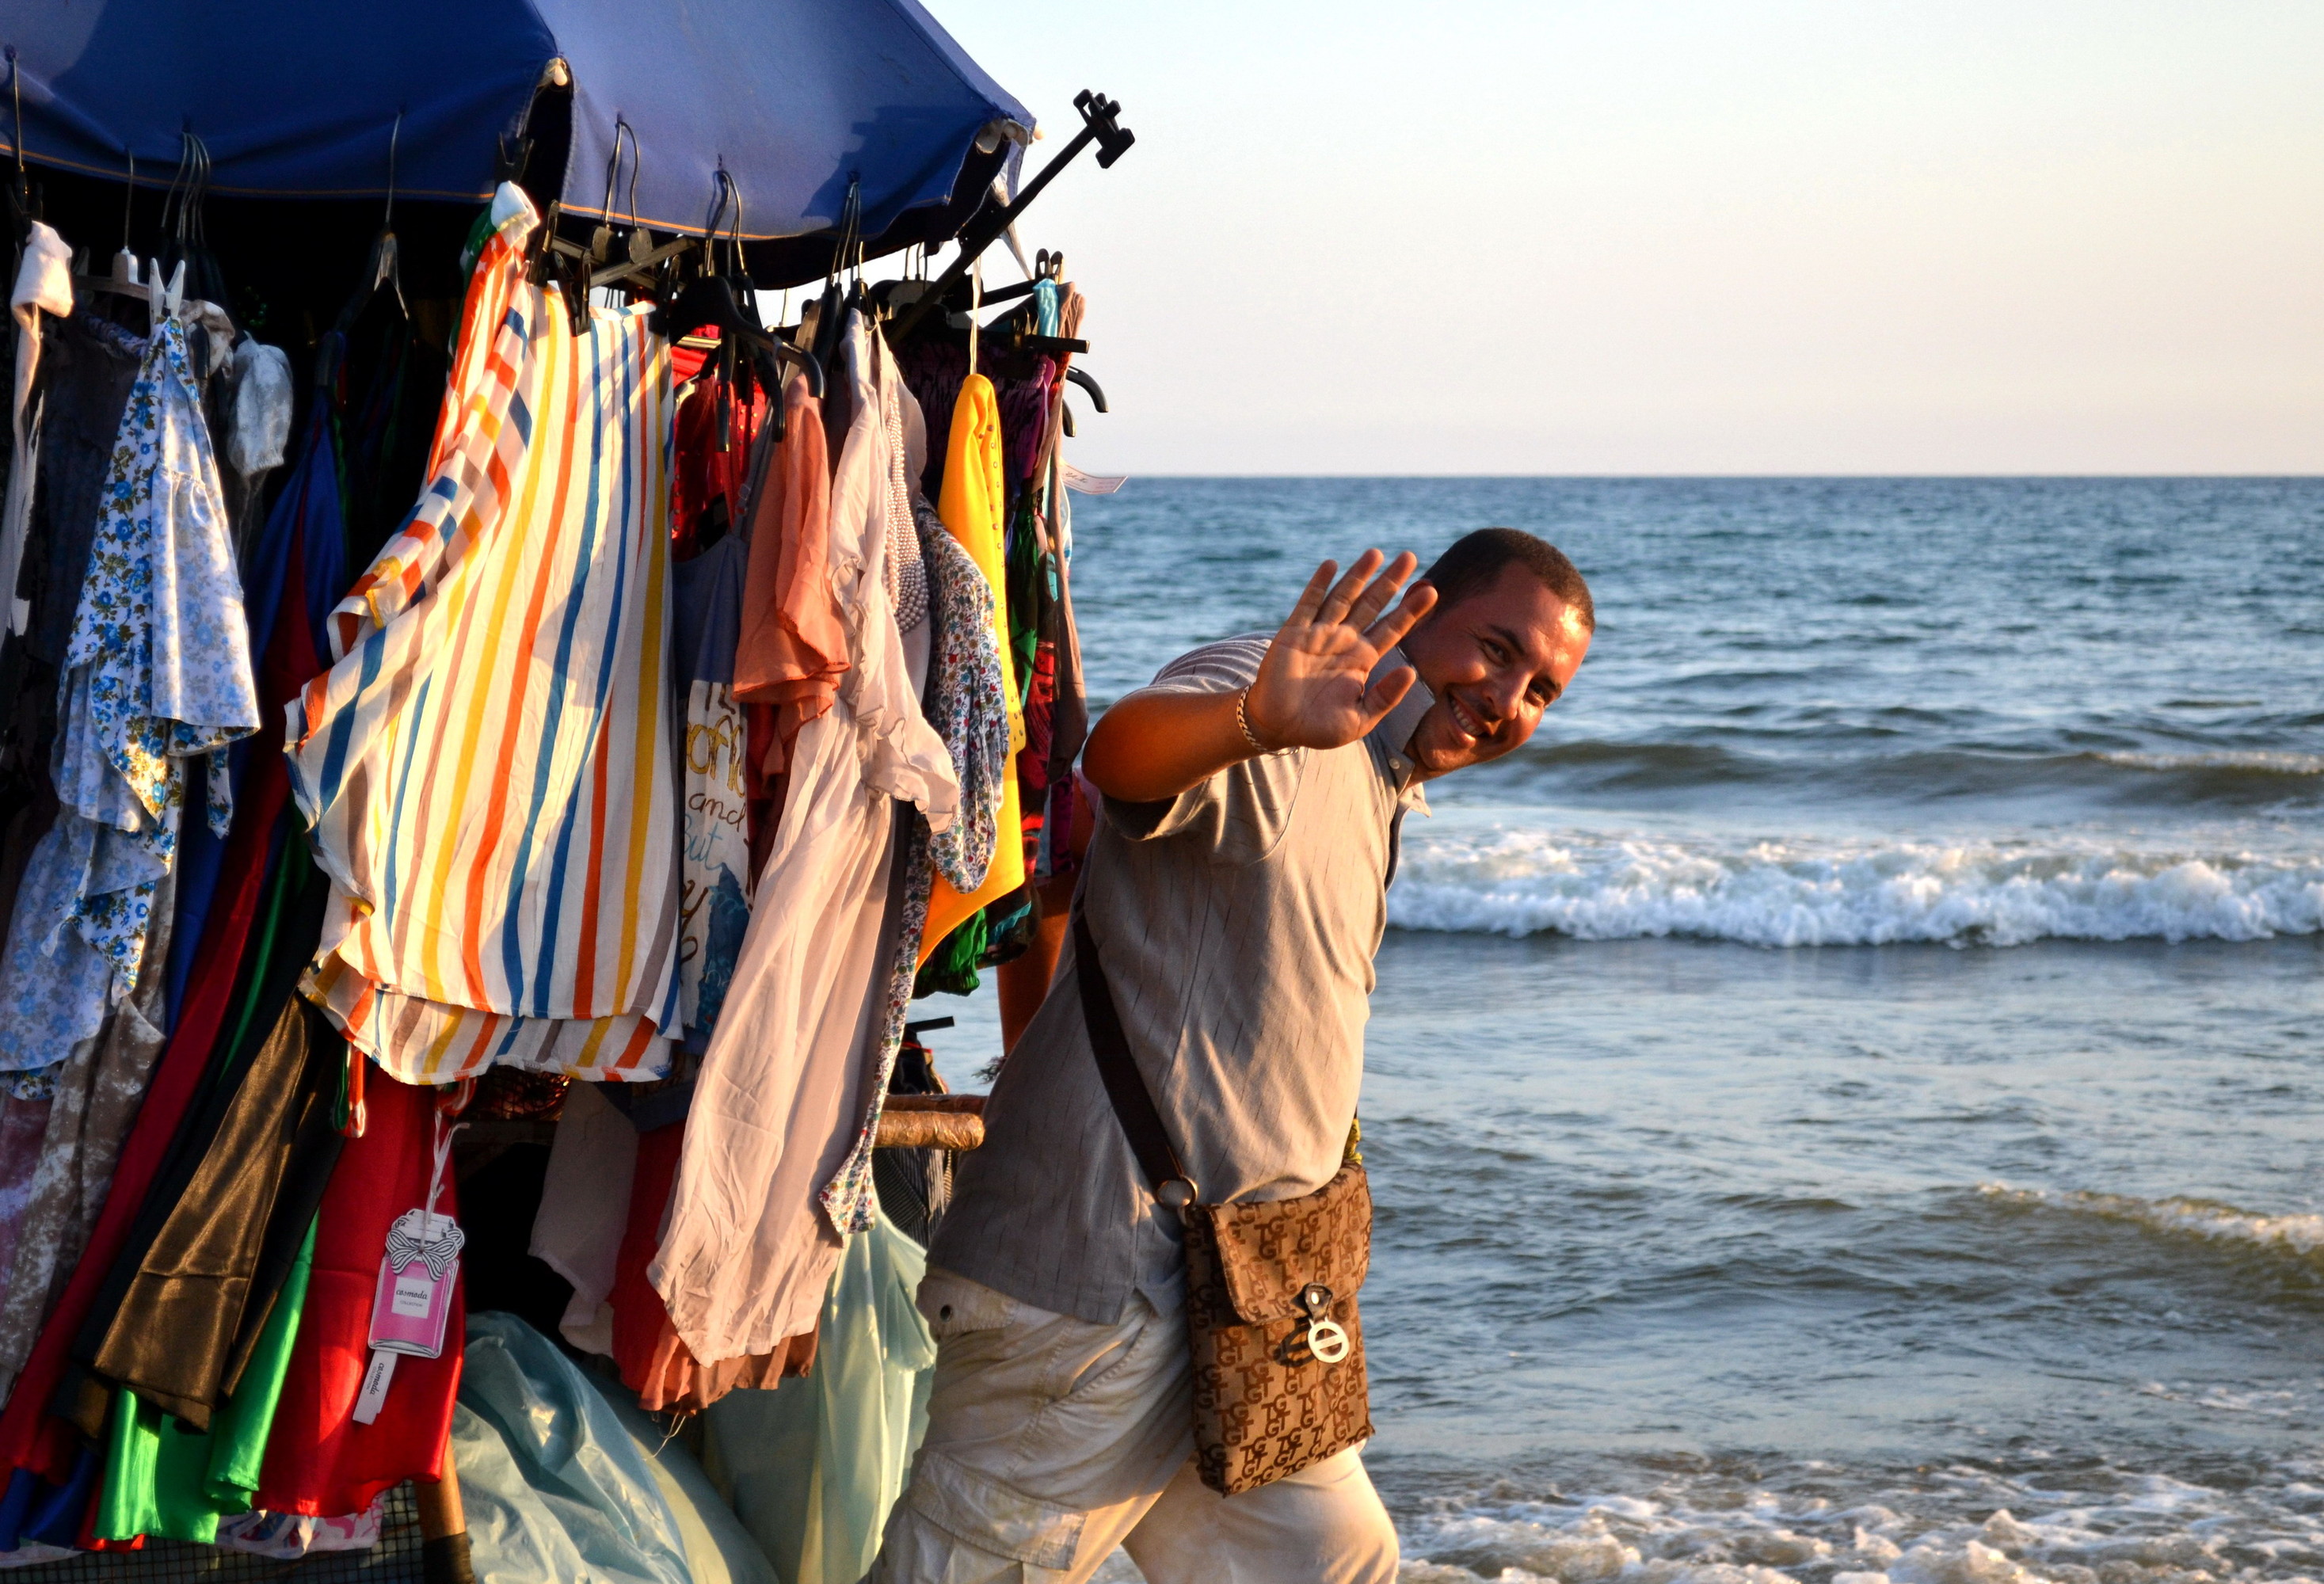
(2197, 1218)
(1807, 892)
(1957, 1526)
(2267, 761)
(1942, 1524)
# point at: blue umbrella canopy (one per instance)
(796, 102)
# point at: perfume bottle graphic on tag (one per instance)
(417, 1274)
(415, 1283)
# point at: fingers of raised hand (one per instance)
(1344, 594)
(1311, 598)
(1382, 589)
(1387, 692)
(1389, 630)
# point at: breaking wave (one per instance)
(1847, 893)
(2298, 1235)
(1947, 1524)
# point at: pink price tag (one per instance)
(416, 1276)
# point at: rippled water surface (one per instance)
(1846, 1100)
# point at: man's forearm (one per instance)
(1155, 745)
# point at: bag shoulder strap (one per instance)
(1125, 1085)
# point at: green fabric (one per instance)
(238, 1430)
(165, 1479)
(1009, 927)
(951, 967)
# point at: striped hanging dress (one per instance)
(488, 769)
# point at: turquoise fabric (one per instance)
(718, 1549)
(553, 1484)
(814, 1465)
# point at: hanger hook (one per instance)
(394, 134)
(171, 205)
(16, 93)
(614, 168)
(128, 197)
(200, 193)
(710, 228)
(848, 212)
(637, 165)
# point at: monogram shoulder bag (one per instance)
(1271, 1316)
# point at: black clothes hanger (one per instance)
(25, 197)
(714, 300)
(1099, 125)
(184, 240)
(1078, 375)
(384, 267)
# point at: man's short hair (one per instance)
(1474, 561)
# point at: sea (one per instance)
(1844, 1102)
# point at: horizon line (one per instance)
(1772, 477)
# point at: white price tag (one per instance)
(373, 1396)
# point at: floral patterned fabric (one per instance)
(969, 708)
(157, 671)
(968, 702)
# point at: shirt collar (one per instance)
(1394, 734)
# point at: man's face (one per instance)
(1495, 661)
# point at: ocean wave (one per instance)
(1834, 893)
(2299, 1235)
(1823, 1521)
(1868, 757)
(2256, 763)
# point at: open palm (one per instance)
(1315, 687)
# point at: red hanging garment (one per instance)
(318, 1460)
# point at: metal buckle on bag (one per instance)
(1325, 1337)
(1178, 1192)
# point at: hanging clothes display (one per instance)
(813, 1467)
(782, 1093)
(714, 906)
(158, 672)
(793, 645)
(580, 733)
(971, 506)
(163, 1477)
(43, 285)
(554, 1486)
(320, 1460)
(101, 1091)
(192, 1309)
(488, 768)
(653, 1359)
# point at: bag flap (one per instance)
(1268, 1252)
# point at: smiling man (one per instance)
(1236, 891)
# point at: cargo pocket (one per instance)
(979, 1511)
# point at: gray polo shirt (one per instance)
(1238, 923)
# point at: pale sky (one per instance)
(1638, 237)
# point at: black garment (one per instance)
(87, 366)
(395, 381)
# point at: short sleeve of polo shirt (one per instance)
(1240, 812)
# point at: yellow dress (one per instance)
(971, 503)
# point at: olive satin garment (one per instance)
(190, 1316)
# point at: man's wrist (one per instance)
(1242, 720)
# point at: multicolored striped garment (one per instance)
(488, 769)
